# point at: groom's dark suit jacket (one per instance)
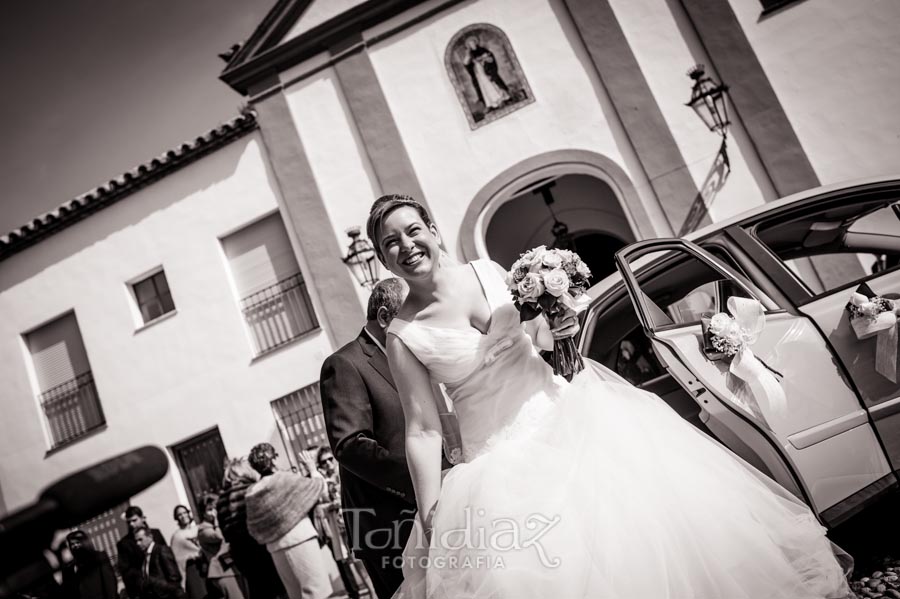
(366, 431)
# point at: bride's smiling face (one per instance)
(411, 249)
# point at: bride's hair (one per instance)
(384, 206)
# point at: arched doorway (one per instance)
(598, 249)
(588, 207)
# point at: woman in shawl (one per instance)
(278, 509)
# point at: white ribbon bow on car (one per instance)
(881, 323)
(749, 321)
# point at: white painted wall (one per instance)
(665, 55)
(834, 66)
(171, 380)
(453, 162)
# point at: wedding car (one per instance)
(802, 384)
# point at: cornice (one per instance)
(250, 66)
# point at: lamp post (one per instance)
(562, 239)
(708, 101)
(360, 259)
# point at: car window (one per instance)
(682, 288)
(837, 243)
(618, 342)
(635, 360)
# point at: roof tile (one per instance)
(120, 187)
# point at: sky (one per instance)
(93, 88)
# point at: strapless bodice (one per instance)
(497, 381)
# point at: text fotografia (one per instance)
(451, 562)
(471, 545)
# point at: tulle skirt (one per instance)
(610, 494)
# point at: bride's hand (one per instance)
(428, 524)
(564, 324)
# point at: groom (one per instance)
(365, 427)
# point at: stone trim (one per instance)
(305, 215)
(636, 106)
(580, 161)
(376, 126)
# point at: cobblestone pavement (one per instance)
(873, 539)
(884, 582)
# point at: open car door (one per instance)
(805, 427)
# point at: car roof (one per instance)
(602, 286)
(786, 201)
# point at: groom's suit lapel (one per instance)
(376, 358)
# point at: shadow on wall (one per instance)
(712, 185)
(129, 211)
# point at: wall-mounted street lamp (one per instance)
(360, 259)
(708, 101)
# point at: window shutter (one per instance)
(57, 352)
(260, 255)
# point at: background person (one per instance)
(221, 578)
(278, 508)
(330, 523)
(90, 574)
(130, 556)
(187, 553)
(159, 576)
(364, 421)
(252, 559)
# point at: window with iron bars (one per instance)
(279, 314)
(64, 381)
(300, 421)
(72, 409)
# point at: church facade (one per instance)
(190, 302)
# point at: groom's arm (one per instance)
(348, 421)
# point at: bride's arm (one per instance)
(423, 426)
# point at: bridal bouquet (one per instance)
(549, 281)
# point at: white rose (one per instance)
(537, 259)
(582, 269)
(552, 260)
(556, 282)
(719, 323)
(530, 287)
(869, 309)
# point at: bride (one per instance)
(586, 489)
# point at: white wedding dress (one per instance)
(594, 488)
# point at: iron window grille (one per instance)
(300, 420)
(279, 314)
(72, 409)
